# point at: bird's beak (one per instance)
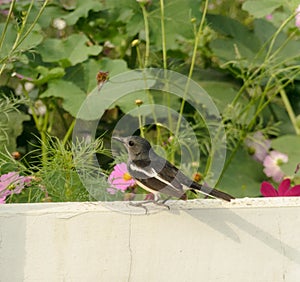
(120, 139)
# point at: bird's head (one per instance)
(138, 148)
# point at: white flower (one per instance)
(28, 86)
(258, 146)
(39, 108)
(59, 24)
(272, 165)
(19, 89)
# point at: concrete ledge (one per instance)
(198, 240)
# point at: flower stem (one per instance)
(196, 43)
(12, 4)
(140, 123)
(164, 53)
(146, 23)
(289, 110)
(69, 132)
(163, 34)
(20, 39)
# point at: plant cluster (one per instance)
(53, 54)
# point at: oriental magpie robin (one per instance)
(156, 175)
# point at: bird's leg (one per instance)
(140, 205)
(154, 201)
(162, 203)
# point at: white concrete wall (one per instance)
(200, 240)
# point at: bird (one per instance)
(158, 176)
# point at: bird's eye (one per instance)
(131, 143)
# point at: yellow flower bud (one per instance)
(138, 102)
(135, 42)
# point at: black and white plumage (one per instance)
(157, 175)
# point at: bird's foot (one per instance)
(141, 205)
(156, 202)
(162, 203)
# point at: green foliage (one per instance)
(63, 51)
(11, 124)
(52, 51)
(259, 8)
(243, 176)
(62, 89)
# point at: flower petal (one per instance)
(294, 191)
(275, 172)
(284, 186)
(116, 178)
(267, 190)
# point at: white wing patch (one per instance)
(151, 174)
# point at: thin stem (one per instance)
(196, 43)
(34, 22)
(229, 160)
(164, 53)
(33, 113)
(139, 56)
(19, 40)
(12, 4)
(163, 34)
(276, 35)
(43, 133)
(289, 110)
(69, 132)
(146, 23)
(140, 123)
(267, 60)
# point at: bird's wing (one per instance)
(162, 181)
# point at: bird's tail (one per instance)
(212, 192)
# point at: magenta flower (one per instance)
(297, 17)
(272, 165)
(12, 183)
(284, 189)
(258, 146)
(120, 179)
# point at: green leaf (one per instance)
(243, 176)
(82, 9)
(239, 42)
(33, 39)
(14, 127)
(259, 8)
(177, 20)
(288, 49)
(290, 145)
(69, 51)
(249, 48)
(72, 95)
(50, 13)
(84, 75)
(46, 75)
(222, 93)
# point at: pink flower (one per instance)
(3, 195)
(120, 179)
(297, 17)
(272, 165)
(12, 183)
(269, 17)
(284, 189)
(258, 146)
